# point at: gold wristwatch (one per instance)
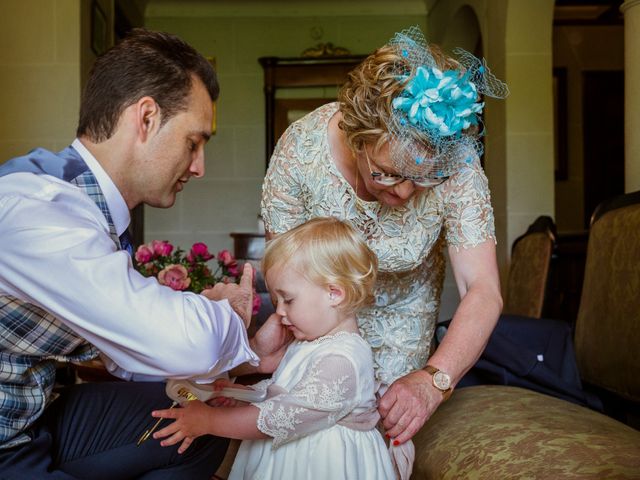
(440, 380)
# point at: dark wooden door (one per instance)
(603, 122)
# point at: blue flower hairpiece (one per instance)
(431, 119)
(444, 103)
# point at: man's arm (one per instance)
(92, 288)
(411, 400)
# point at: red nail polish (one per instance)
(396, 443)
(387, 435)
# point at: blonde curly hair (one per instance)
(326, 250)
(366, 97)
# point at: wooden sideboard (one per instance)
(248, 246)
(298, 72)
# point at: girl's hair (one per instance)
(327, 251)
(366, 97)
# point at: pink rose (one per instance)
(174, 276)
(257, 301)
(144, 254)
(199, 250)
(226, 258)
(161, 247)
(233, 269)
(149, 269)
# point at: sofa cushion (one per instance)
(501, 432)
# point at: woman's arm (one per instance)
(195, 418)
(476, 273)
(412, 399)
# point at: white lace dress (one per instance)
(303, 182)
(321, 415)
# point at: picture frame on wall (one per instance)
(99, 30)
(214, 121)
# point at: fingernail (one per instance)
(396, 443)
(387, 435)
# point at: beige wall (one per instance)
(45, 56)
(529, 134)
(227, 198)
(39, 74)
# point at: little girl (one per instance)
(319, 416)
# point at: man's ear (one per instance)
(336, 295)
(147, 117)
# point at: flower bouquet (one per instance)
(188, 272)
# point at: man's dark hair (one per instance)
(145, 63)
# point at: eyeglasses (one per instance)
(390, 179)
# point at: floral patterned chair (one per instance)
(505, 432)
(529, 270)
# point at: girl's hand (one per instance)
(191, 421)
(270, 343)
(221, 383)
(218, 385)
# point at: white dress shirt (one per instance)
(56, 252)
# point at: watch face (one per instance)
(441, 380)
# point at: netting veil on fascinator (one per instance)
(435, 124)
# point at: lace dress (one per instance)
(321, 414)
(303, 182)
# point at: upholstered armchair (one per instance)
(505, 432)
(529, 269)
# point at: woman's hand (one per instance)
(407, 405)
(191, 421)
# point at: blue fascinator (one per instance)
(435, 123)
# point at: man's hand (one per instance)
(407, 405)
(240, 296)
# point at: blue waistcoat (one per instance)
(27, 373)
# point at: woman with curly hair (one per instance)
(398, 157)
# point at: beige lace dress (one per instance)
(303, 182)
